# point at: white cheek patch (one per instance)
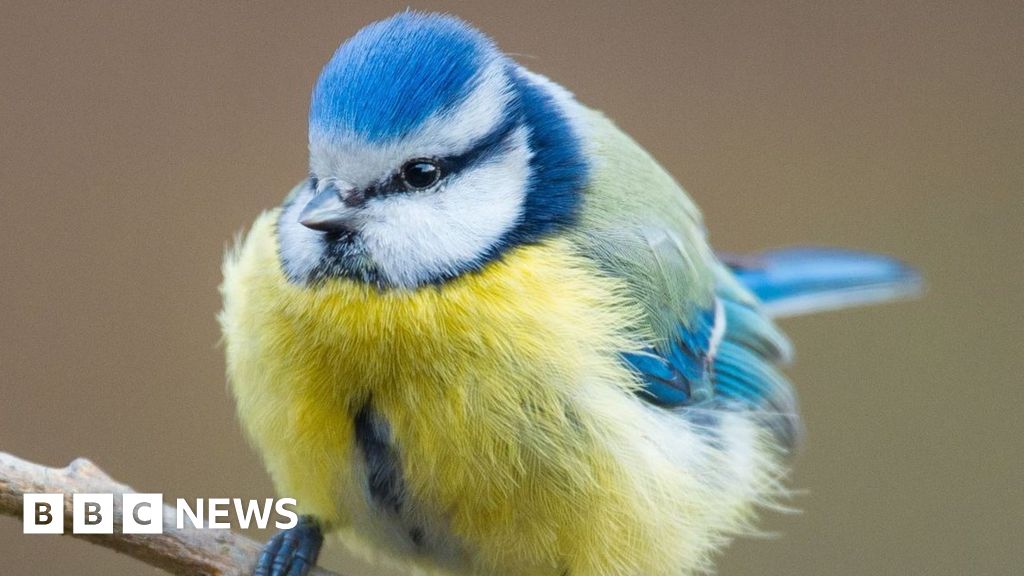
(414, 238)
(300, 248)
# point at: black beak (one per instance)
(327, 212)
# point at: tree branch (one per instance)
(189, 551)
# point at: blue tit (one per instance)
(487, 333)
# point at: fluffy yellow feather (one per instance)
(517, 431)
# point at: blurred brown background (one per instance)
(137, 139)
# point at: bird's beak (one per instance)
(327, 212)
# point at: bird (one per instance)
(487, 333)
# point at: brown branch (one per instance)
(187, 551)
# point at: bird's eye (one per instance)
(421, 173)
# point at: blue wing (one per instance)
(727, 356)
(682, 375)
(725, 360)
(746, 374)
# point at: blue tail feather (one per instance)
(795, 281)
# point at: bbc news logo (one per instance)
(144, 513)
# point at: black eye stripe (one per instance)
(484, 147)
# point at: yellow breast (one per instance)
(509, 407)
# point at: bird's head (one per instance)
(431, 154)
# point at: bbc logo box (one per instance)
(92, 514)
(43, 514)
(144, 513)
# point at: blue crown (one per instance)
(392, 75)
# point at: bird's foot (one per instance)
(291, 552)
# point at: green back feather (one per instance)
(640, 225)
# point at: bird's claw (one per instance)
(291, 552)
